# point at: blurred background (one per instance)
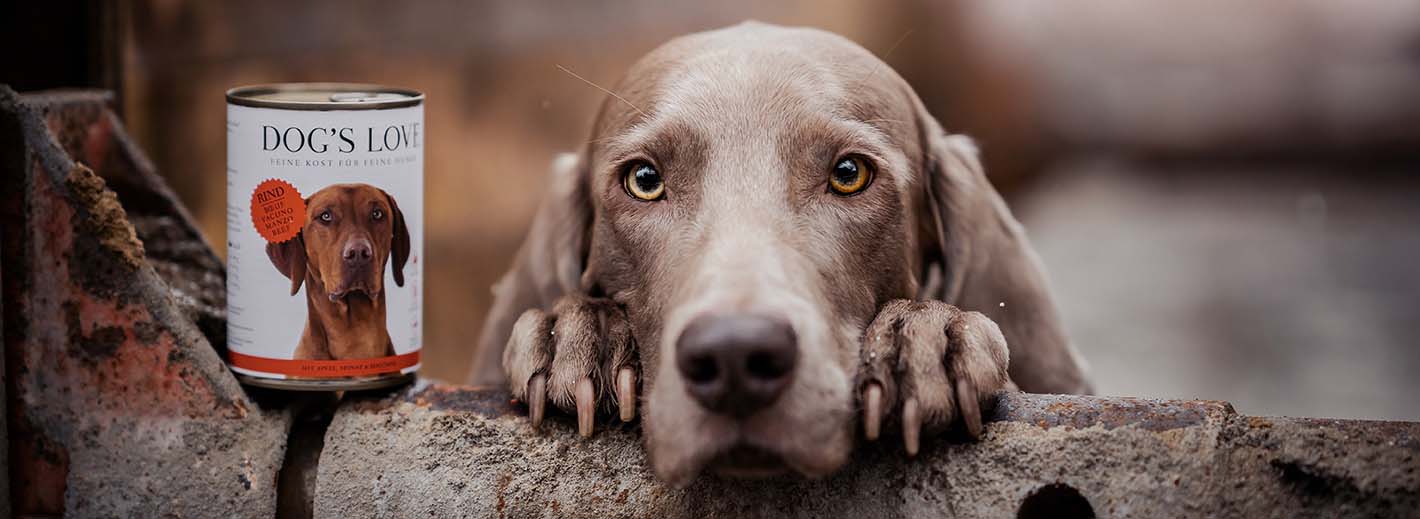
(1224, 193)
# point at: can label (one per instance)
(325, 236)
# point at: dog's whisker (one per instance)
(893, 121)
(603, 139)
(603, 89)
(881, 63)
(899, 41)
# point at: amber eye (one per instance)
(850, 175)
(644, 182)
(377, 214)
(325, 216)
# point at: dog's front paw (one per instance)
(934, 364)
(581, 356)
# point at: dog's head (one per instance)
(349, 231)
(753, 195)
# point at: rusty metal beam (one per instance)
(117, 403)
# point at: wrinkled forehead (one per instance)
(758, 85)
(344, 196)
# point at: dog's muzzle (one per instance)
(358, 270)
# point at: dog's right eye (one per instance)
(325, 216)
(644, 182)
(850, 175)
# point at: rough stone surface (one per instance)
(454, 452)
(118, 405)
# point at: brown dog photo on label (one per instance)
(350, 231)
(769, 245)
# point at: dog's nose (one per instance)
(357, 251)
(737, 364)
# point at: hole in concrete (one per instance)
(1056, 500)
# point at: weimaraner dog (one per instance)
(771, 242)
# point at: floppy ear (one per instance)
(976, 256)
(399, 243)
(547, 265)
(289, 257)
(960, 213)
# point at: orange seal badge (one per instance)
(277, 210)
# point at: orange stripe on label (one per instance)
(324, 368)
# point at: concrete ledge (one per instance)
(441, 451)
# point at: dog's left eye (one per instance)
(377, 214)
(325, 216)
(850, 175)
(644, 182)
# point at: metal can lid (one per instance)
(324, 96)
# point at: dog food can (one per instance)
(325, 235)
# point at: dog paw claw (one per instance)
(537, 398)
(586, 407)
(580, 356)
(970, 408)
(872, 410)
(626, 393)
(932, 363)
(911, 426)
